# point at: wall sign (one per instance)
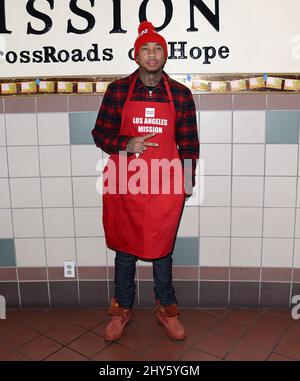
(63, 38)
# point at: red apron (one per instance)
(144, 224)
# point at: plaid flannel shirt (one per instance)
(106, 132)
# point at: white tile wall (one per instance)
(59, 250)
(189, 224)
(55, 161)
(249, 126)
(217, 190)
(105, 157)
(57, 192)
(2, 131)
(281, 159)
(214, 251)
(30, 252)
(214, 221)
(96, 250)
(28, 223)
(246, 252)
(297, 231)
(296, 263)
(198, 192)
(277, 252)
(6, 226)
(59, 222)
(3, 162)
(246, 222)
(298, 194)
(25, 193)
(4, 192)
(58, 160)
(23, 161)
(247, 191)
(280, 191)
(21, 129)
(88, 222)
(85, 193)
(140, 262)
(53, 128)
(110, 255)
(215, 126)
(248, 159)
(217, 158)
(279, 222)
(86, 167)
(198, 122)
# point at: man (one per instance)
(143, 224)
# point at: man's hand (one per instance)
(187, 196)
(137, 144)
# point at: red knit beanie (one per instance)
(147, 33)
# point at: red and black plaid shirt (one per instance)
(107, 135)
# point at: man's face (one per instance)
(151, 57)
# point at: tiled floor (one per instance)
(211, 335)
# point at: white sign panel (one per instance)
(68, 38)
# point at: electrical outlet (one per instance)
(69, 269)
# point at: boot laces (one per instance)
(169, 312)
(116, 310)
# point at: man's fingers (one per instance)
(150, 144)
(138, 145)
(148, 136)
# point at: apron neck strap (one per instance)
(131, 88)
(167, 86)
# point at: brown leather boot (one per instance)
(120, 317)
(168, 317)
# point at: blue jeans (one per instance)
(125, 265)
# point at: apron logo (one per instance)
(149, 112)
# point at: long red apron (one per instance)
(144, 224)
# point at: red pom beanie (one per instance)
(147, 33)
